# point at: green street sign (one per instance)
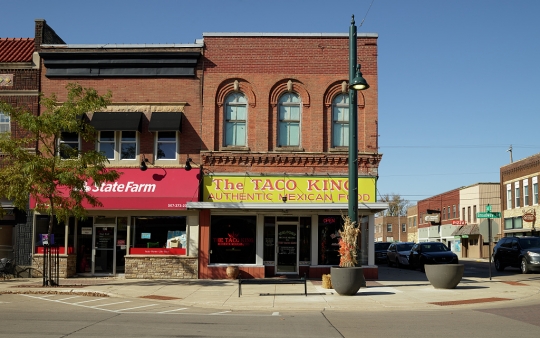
(464, 236)
(488, 208)
(488, 215)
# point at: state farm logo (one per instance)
(121, 187)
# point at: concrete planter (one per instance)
(347, 281)
(444, 276)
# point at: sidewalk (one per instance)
(396, 289)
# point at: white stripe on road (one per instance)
(88, 301)
(184, 308)
(68, 298)
(275, 313)
(219, 313)
(95, 306)
(137, 307)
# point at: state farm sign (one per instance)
(154, 189)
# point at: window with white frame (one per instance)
(389, 227)
(235, 120)
(535, 190)
(166, 145)
(340, 121)
(454, 211)
(443, 213)
(69, 145)
(403, 227)
(118, 145)
(509, 196)
(5, 123)
(526, 192)
(448, 212)
(518, 194)
(289, 120)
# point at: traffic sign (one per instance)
(488, 215)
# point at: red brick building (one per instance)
(273, 151)
(263, 121)
(440, 210)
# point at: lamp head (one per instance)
(188, 164)
(143, 166)
(358, 83)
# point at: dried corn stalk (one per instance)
(347, 243)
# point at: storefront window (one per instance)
(42, 228)
(233, 239)
(269, 240)
(154, 232)
(305, 240)
(84, 245)
(329, 227)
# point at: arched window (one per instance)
(340, 121)
(289, 120)
(235, 120)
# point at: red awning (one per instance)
(153, 189)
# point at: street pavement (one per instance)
(396, 289)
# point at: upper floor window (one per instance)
(340, 121)
(389, 227)
(453, 211)
(518, 195)
(525, 192)
(69, 145)
(403, 227)
(235, 120)
(166, 145)
(289, 120)
(5, 125)
(118, 145)
(535, 190)
(508, 196)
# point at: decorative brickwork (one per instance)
(160, 267)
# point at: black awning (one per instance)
(165, 121)
(116, 121)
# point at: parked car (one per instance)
(380, 251)
(431, 253)
(518, 252)
(398, 253)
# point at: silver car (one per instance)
(398, 253)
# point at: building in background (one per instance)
(519, 196)
(471, 234)
(412, 224)
(436, 214)
(391, 229)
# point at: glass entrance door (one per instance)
(104, 250)
(287, 248)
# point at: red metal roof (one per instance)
(16, 49)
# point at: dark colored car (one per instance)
(431, 253)
(518, 252)
(398, 254)
(380, 251)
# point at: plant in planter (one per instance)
(348, 278)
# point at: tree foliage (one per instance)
(397, 206)
(39, 166)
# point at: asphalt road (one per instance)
(68, 316)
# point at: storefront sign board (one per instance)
(153, 189)
(277, 189)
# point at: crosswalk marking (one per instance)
(108, 304)
(136, 307)
(184, 308)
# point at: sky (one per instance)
(457, 83)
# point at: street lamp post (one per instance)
(356, 82)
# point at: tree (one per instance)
(38, 165)
(397, 206)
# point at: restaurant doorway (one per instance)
(287, 248)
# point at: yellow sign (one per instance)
(274, 189)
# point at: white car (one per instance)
(398, 253)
